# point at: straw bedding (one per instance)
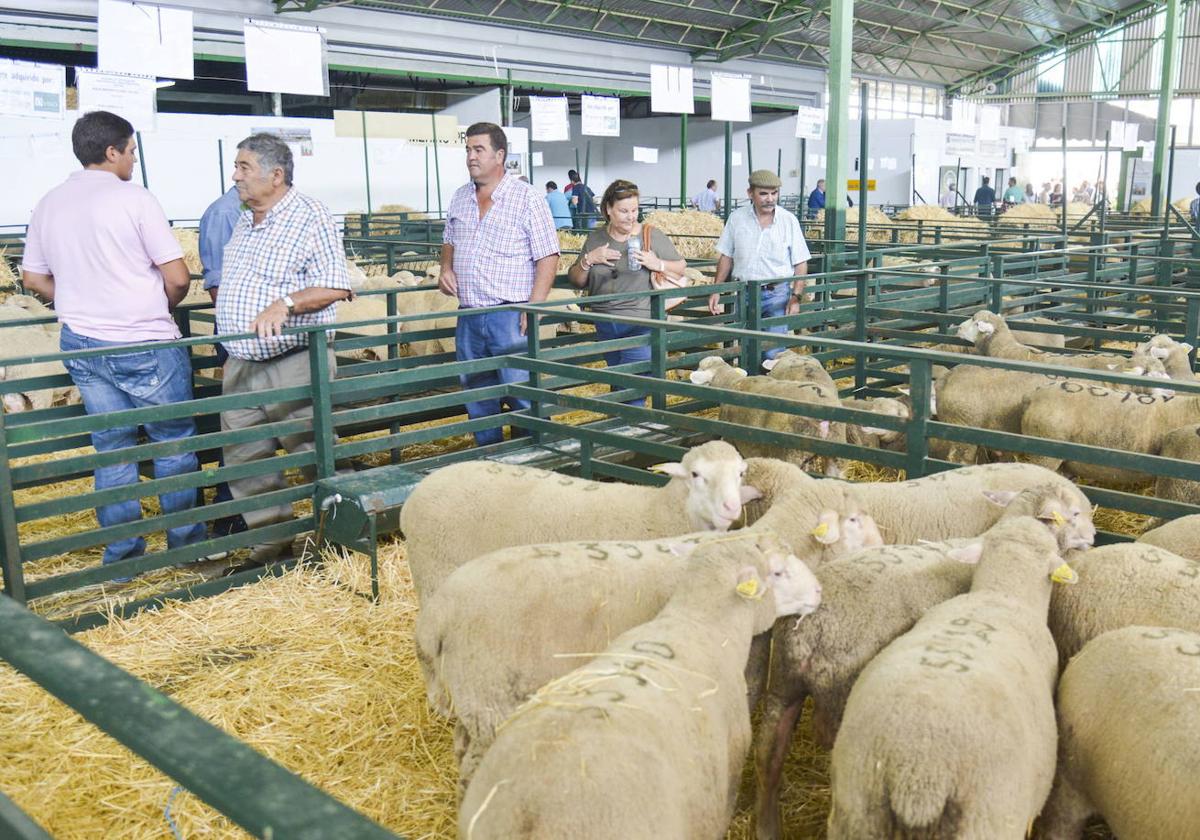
(1142, 206)
(934, 219)
(879, 226)
(8, 275)
(189, 241)
(694, 234)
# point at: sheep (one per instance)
(1101, 417)
(1182, 444)
(961, 502)
(992, 337)
(649, 738)
(875, 437)
(995, 399)
(28, 341)
(870, 598)
(798, 367)
(27, 307)
(1173, 354)
(950, 731)
(1129, 734)
(1180, 536)
(715, 371)
(1124, 584)
(465, 510)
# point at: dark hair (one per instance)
(986, 180)
(272, 153)
(618, 190)
(550, 185)
(95, 131)
(572, 174)
(495, 133)
(711, 183)
(1198, 188)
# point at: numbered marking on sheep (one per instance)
(659, 649)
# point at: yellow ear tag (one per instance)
(821, 530)
(657, 468)
(1064, 574)
(1059, 520)
(749, 589)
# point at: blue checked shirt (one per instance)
(297, 246)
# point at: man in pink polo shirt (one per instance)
(100, 248)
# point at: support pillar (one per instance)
(683, 160)
(841, 30)
(1160, 191)
(728, 170)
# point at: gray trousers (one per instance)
(243, 377)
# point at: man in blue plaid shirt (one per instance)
(284, 266)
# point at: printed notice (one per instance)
(32, 90)
(132, 97)
(810, 123)
(601, 116)
(548, 118)
(730, 98)
(286, 59)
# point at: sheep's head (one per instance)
(1161, 347)
(406, 279)
(792, 365)
(1019, 541)
(716, 368)
(892, 408)
(1142, 363)
(980, 326)
(1064, 511)
(712, 474)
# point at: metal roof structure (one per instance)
(944, 42)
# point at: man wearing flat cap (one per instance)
(763, 241)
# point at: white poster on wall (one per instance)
(810, 123)
(129, 96)
(730, 97)
(989, 122)
(281, 58)
(737, 158)
(600, 116)
(960, 144)
(144, 40)
(671, 89)
(535, 159)
(645, 154)
(28, 89)
(548, 119)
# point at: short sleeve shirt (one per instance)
(216, 226)
(760, 253)
(494, 256)
(103, 239)
(619, 278)
(296, 246)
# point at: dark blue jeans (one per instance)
(133, 380)
(482, 337)
(606, 330)
(774, 305)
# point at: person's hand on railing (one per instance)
(448, 282)
(714, 304)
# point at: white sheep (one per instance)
(1113, 420)
(1182, 444)
(1129, 734)
(1173, 354)
(799, 367)
(1121, 585)
(962, 502)
(649, 738)
(870, 598)
(465, 510)
(992, 337)
(718, 373)
(950, 731)
(1180, 536)
(27, 341)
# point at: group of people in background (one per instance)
(984, 199)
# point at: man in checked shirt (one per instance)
(499, 247)
(284, 266)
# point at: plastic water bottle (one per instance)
(635, 244)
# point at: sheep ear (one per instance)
(750, 586)
(1003, 498)
(671, 468)
(872, 430)
(742, 371)
(749, 494)
(823, 428)
(828, 530)
(1111, 367)
(968, 554)
(1052, 512)
(769, 364)
(701, 377)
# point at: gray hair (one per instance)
(271, 153)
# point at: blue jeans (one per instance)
(482, 337)
(133, 380)
(606, 330)
(774, 305)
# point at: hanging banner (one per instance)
(671, 89)
(959, 144)
(28, 89)
(730, 98)
(145, 40)
(548, 119)
(281, 58)
(128, 96)
(810, 123)
(600, 116)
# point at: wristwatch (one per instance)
(289, 303)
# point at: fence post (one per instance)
(752, 352)
(658, 350)
(996, 273)
(917, 448)
(10, 556)
(861, 284)
(322, 402)
(533, 338)
(1191, 327)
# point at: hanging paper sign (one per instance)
(730, 98)
(518, 139)
(600, 116)
(281, 58)
(535, 159)
(671, 89)
(989, 121)
(32, 90)
(548, 118)
(960, 144)
(737, 158)
(643, 154)
(128, 96)
(810, 123)
(145, 40)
